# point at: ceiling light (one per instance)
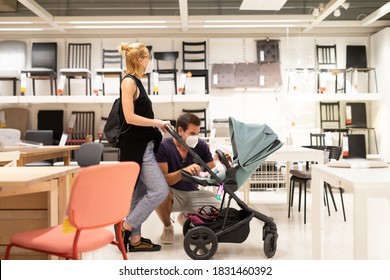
(337, 13)
(345, 5)
(316, 12)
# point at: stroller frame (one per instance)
(201, 238)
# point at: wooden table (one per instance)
(26, 180)
(363, 183)
(32, 154)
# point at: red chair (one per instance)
(100, 197)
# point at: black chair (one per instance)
(194, 54)
(52, 120)
(317, 139)
(84, 125)
(356, 120)
(43, 65)
(110, 58)
(356, 147)
(79, 65)
(327, 63)
(166, 66)
(357, 63)
(201, 113)
(302, 177)
(330, 119)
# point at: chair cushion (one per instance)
(302, 174)
(9, 73)
(39, 71)
(76, 72)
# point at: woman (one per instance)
(138, 143)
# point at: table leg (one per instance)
(67, 158)
(317, 217)
(53, 203)
(360, 224)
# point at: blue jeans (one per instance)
(151, 190)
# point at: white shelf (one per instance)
(108, 99)
(332, 96)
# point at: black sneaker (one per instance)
(145, 245)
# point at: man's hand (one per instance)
(193, 169)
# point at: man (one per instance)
(173, 157)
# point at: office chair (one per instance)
(327, 63)
(43, 65)
(79, 65)
(44, 137)
(100, 197)
(89, 154)
(110, 58)
(165, 72)
(194, 61)
(13, 57)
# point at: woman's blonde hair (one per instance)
(133, 53)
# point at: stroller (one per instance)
(202, 231)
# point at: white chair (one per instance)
(10, 157)
(10, 136)
(13, 57)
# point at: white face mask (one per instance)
(149, 67)
(192, 141)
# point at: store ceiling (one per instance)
(194, 17)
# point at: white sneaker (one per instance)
(181, 219)
(168, 235)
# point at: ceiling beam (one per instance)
(329, 8)
(183, 6)
(41, 12)
(385, 9)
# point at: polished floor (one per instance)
(294, 241)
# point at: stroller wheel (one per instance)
(270, 244)
(187, 226)
(200, 243)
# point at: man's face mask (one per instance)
(192, 141)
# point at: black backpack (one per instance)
(114, 126)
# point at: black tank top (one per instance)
(142, 107)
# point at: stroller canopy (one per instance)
(251, 144)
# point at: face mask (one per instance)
(192, 141)
(149, 67)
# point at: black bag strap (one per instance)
(120, 100)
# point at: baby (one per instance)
(219, 167)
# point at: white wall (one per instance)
(380, 55)
(249, 105)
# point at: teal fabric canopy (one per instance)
(251, 144)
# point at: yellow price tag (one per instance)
(67, 227)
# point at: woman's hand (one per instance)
(162, 125)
